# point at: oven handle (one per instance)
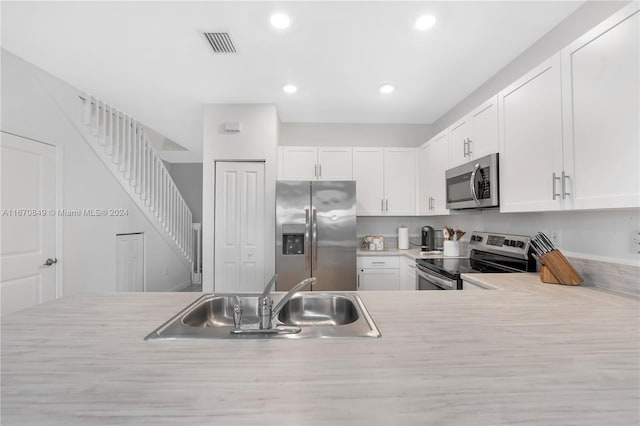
(472, 183)
(432, 277)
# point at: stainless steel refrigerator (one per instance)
(316, 234)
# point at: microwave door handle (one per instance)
(472, 183)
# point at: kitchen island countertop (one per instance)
(527, 353)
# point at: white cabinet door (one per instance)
(335, 163)
(601, 114)
(368, 172)
(531, 161)
(378, 279)
(408, 274)
(432, 157)
(424, 185)
(484, 137)
(437, 155)
(459, 134)
(400, 181)
(299, 163)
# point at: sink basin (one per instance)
(327, 315)
(319, 310)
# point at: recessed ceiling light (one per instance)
(386, 88)
(280, 20)
(425, 22)
(289, 88)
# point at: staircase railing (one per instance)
(125, 148)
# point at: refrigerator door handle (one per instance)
(314, 236)
(307, 254)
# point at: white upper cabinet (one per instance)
(601, 95)
(385, 181)
(569, 135)
(400, 181)
(299, 163)
(432, 164)
(475, 135)
(531, 140)
(316, 163)
(368, 170)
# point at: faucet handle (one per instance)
(269, 285)
(265, 305)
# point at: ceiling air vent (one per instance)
(220, 42)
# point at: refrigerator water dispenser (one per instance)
(292, 239)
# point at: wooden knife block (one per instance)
(556, 269)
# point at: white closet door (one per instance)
(239, 227)
(130, 262)
(28, 223)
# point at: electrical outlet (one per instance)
(635, 239)
(554, 236)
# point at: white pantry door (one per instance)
(239, 227)
(28, 223)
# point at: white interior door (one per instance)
(28, 223)
(239, 227)
(130, 262)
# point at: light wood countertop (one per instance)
(527, 354)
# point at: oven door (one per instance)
(429, 280)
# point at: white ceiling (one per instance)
(151, 60)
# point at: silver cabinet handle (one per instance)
(315, 170)
(553, 190)
(319, 170)
(469, 152)
(378, 263)
(382, 205)
(359, 280)
(464, 147)
(50, 261)
(387, 202)
(564, 191)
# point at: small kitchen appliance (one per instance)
(473, 185)
(428, 238)
(490, 252)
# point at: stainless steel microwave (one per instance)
(473, 185)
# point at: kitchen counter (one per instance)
(413, 253)
(526, 353)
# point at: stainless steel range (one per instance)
(490, 252)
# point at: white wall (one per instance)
(579, 22)
(188, 179)
(258, 140)
(39, 106)
(334, 134)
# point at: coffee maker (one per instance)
(428, 234)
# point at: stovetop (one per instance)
(490, 253)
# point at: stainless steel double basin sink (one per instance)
(324, 315)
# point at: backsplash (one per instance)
(609, 276)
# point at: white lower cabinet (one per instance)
(378, 273)
(408, 274)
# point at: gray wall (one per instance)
(188, 179)
(583, 19)
(337, 134)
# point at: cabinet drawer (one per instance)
(389, 262)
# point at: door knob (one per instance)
(50, 261)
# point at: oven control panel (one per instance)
(500, 243)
